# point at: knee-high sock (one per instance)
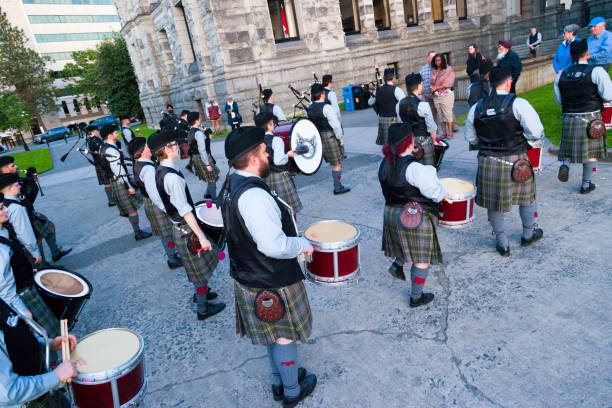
(337, 175)
(169, 247)
(587, 172)
(275, 376)
(497, 222)
(285, 357)
(42, 251)
(528, 217)
(418, 277)
(211, 190)
(201, 292)
(109, 194)
(51, 241)
(134, 222)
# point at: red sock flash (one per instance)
(419, 281)
(202, 290)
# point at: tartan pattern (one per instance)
(282, 183)
(495, 188)
(42, 226)
(40, 311)
(428, 150)
(102, 177)
(160, 223)
(126, 202)
(575, 144)
(295, 325)
(200, 169)
(199, 269)
(420, 245)
(333, 153)
(383, 129)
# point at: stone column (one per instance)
(450, 13)
(396, 10)
(366, 15)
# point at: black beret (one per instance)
(263, 118)
(413, 79)
(316, 88)
(7, 179)
(485, 66)
(136, 144)
(184, 112)
(123, 117)
(389, 73)
(498, 74)
(578, 47)
(242, 141)
(5, 160)
(107, 130)
(169, 106)
(192, 117)
(159, 139)
(267, 93)
(398, 132)
(91, 128)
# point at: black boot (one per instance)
(537, 234)
(142, 235)
(397, 271)
(174, 263)
(587, 190)
(63, 252)
(341, 190)
(306, 388)
(112, 203)
(211, 310)
(277, 390)
(505, 252)
(563, 173)
(423, 300)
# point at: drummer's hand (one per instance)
(341, 143)
(290, 153)
(209, 168)
(131, 191)
(448, 199)
(56, 344)
(204, 243)
(66, 370)
(38, 259)
(310, 250)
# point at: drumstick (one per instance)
(65, 344)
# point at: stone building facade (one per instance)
(186, 51)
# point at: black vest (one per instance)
(140, 185)
(131, 137)
(247, 265)
(478, 90)
(193, 143)
(386, 101)
(533, 38)
(327, 91)
(94, 144)
(578, 92)
(23, 348)
(106, 164)
(499, 132)
(20, 264)
(408, 113)
(29, 192)
(171, 210)
(315, 113)
(273, 167)
(183, 128)
(396, 190)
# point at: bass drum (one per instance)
(302, 131)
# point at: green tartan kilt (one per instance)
(200, 169)
(295, 325)
(160, 223)
(333, 153)
(126, 202)
(199, 268)
(495, 188)
(428, 150)
(40, 311)
(419, 244)
(575, 144)
(42, 226)
(383, 129)
(282, 183)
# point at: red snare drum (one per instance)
(114, 376)
(335, 260)
(461, 211)
(607, 115)
(283, 129)
(535, 155)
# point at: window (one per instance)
(282, 14)
(72, 37)
(461, 9)
(42, 19)
(181, 10)
(77, 106)
(437, 11)
(350, 16)
(96, 2)
(411, 14)
(381, 14)
(65, 108)
(58, 56)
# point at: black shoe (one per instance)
(62, 253)
(341, 190)
(423, 300)
(505, 252)
(397, 271)
(537, 234)
(587, 190)
(174, 263)
(277, 390)
(563, 173)
(112, 203)
(306, 388)
(209, 296)
(142, 235)
(211, 310)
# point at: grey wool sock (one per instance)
(496, 219)
(275, 375)
(211, 189)
(169, 247)
(134, 222)
(337, 175)
(52, 242)
(418, 277)
(285, 357)
(587, 172)
(201, 292)
(527, 213)
(109, 194)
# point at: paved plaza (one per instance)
(531, 330)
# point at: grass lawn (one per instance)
(146, 131)
(39, 158)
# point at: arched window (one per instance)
(282, 14)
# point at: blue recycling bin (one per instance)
(348, 94)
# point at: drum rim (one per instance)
(84, 282)
(203, 203)
(102, 377)
(347, 280)
(460, 196)
(334, 246)
(456, 224)
(291, 134)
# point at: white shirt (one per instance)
(18, 217)
(598, 76)
(425, 178)
(278, 112)
(398, 93)
(333, 121)
(8, 289)
(333, 99)
(200, 137)
(115, 160)
(127, 134)
(174, 185)
(278, 149)
(147, 175)
(424, 111)
(538, 39)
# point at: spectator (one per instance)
(443, 94)
(212, 109)
(234, 119)
(600, 43)
(562, 57)
(474, 60)
(507, 57)
(534, 41)
(481, 87)
(425, 72)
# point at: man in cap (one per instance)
(480, 88)
(126, 132)
(562, 57)
(330, 96)
(416, 112)
(600, 43)
(385, 98)
(114, 165)
(280, 179)
(329, 127)
(23, 203)
(204, 163)
(508, 58)
(144, 179)
(179, 207)
(263, 243)
(581, 90)
(501, 125)
(270, 107)
(94, 143)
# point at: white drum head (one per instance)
(330, 231)
(106, 350)
(305, 132)
(61, 283)
(458, 189)
(209, 216)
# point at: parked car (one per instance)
(105, 120)
(56, 133)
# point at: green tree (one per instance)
(13, 113)
(82, 76)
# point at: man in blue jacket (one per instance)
(562, 57)
(600, 43)
(507, 57)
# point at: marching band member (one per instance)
(385, 99)
(179, 207)
(404, 180)
(417, 113)
(501, 124)
(581, 90)
(94, 143)
(269, 106)
(279, 180)
(203, 161)
(126, 133)
(329, 127)
(330, 96)
(263, 244)
(480, 88)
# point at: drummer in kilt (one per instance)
(383, 100)
(581, 90)
(500, 125)
(179, 207)
(144, 178)
(417, 113)
(264, 245)
(199, 149)
(94, 143)
(279, 180)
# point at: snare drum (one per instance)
(211, 221)
(65, 292)
(535, 155)
(461, 212)
(607, 115)
(335, 260)
(114, 375)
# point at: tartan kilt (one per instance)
(428, 150)
(420, 245)
(295, 325)
(495, 188)
(575, 144)
(333, 153)
(199, 268)
(383, 129)
(40, 311)
(282, 183)
(42, 226)
(160, 223)
(200, 169)
(126, 202)
(102, 177)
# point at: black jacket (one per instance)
(473, 62)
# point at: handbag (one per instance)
(522, 170)
(269, 306)
(411, 216)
